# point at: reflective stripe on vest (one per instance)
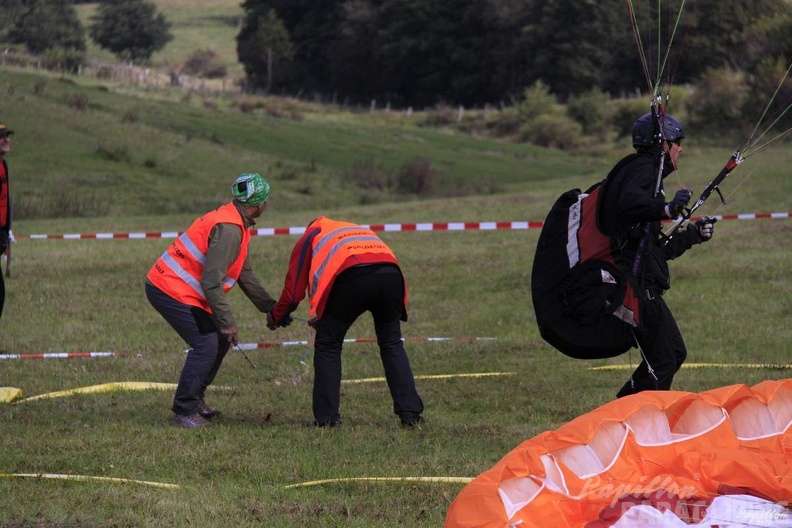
(179, 269)
(331, 249)
(321, 267)
(228, 282)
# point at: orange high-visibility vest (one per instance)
(334, 250)
(178, 271)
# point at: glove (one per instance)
(705, 227)
(681, 198)
(272, 324)
(231, 335)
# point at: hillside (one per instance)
(110, 152)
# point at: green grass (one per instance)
(181, 157)
(731, 298)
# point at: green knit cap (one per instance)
(251, 189)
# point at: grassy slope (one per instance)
(308, 161)
(731, 297)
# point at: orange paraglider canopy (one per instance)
(658, 458)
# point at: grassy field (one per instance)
(196, 25)
(731, 298)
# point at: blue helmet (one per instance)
(644, 134)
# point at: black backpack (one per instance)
(585, 306)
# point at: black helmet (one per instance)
(643, 132)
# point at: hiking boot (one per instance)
(190, 422)
(206, 410)
(410, 419)
(334, 422)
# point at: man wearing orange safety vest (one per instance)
(347, 270)
(187, 285)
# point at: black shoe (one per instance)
(410, 419)
(190, 422)
(335, 422)
(207, 411)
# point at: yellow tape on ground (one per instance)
(111, 387)
(438, 376)
(9, 394)
(455, 480)
(775, 366)
(105, 387)
(86, 477)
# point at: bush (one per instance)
(63, 60)
(553, 131)
(440, 115)
(114, 153)
(40, 87)
(78, 101)
(505, 123)
(368, 175)
(626, 111)
(204, 63)
(593, 112)
(130, 116)
(538, 101)
(417, 176)
(717, 101)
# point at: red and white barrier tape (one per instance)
(254, 346)
(434, 226)
(243, 346)
(62, 355)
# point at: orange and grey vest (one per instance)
(338, 246)
(178, 271)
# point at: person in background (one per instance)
(348, 270)
(5, 203)
(633, 207)
(188, 284)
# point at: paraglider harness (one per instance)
(585, 305)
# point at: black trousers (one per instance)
(2, 290)
(208, 348)
(378, 289)
(663, 349)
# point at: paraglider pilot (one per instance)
(633, 207)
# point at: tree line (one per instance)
(421, 53)
(473, 52)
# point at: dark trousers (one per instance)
(663, 349)
(378, 289)
(208, 348)
(2, 291)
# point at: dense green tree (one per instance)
(9, 14)
(400, 51)
(355, 55)
(580, 45)
(131, 29)
(723, 33)
(267, 44)
(43, 25)
(421, 52)
(438, 51)
(312, 27)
